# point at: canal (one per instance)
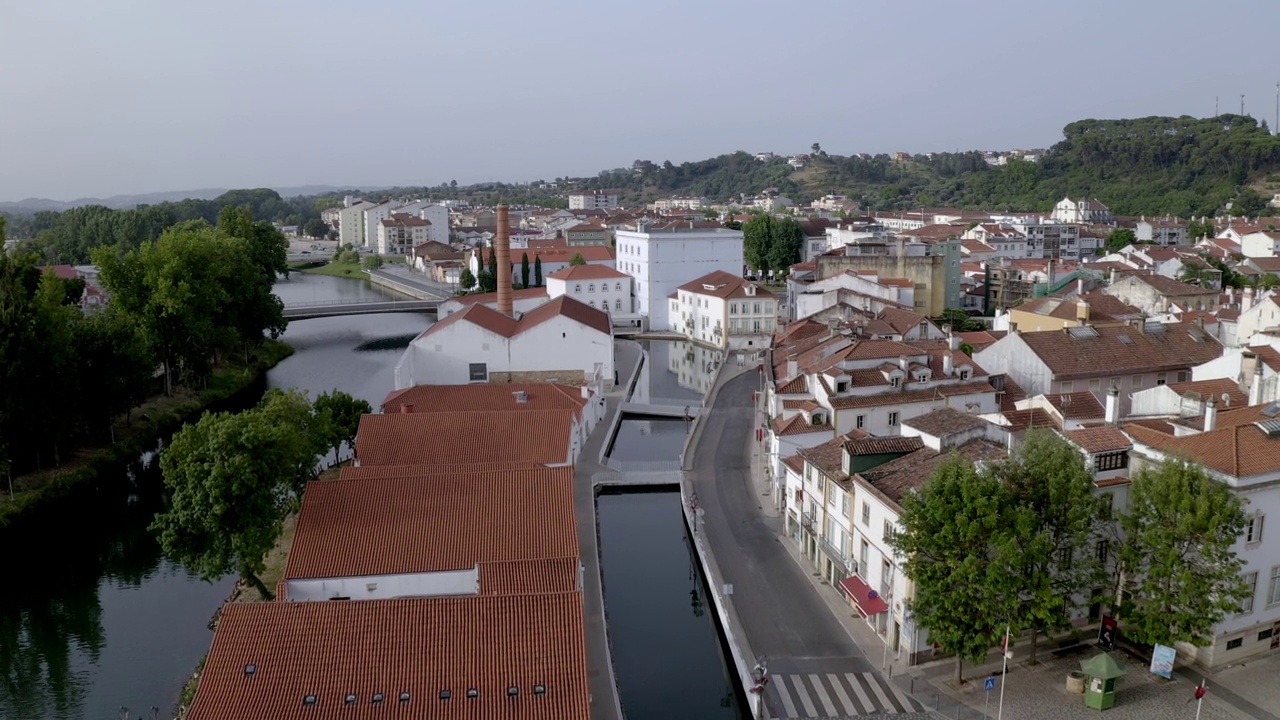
(93, 617)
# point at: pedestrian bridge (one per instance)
(687, 412)
(338, 308)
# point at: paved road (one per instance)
(783, 617)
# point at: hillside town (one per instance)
(891, 345)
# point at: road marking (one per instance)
(907, 704)
(809, 709)
(841, 695)
(856, 684)
(787, 704)
(821, 690)
(875, 687)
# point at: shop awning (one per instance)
(868, 601)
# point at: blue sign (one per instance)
(1162, 659)
(989, 684)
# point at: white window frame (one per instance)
(1273, 589)
(1250, 579)
(1253, 530)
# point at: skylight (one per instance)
(310, 700)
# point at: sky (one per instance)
(133, 96)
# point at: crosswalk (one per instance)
(836, 695)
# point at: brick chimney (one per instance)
(502, 246)
(406, 408)
(1211, 414)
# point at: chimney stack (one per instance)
(1255, 389)
(1082, 312)
(948, 363)
(1246, 299)
(1211, 413)
(502, 246)
(953, 341)
(406, 408)
(1113, 405)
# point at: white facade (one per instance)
(611, 293)
(745, 319)
(434, 213)
(463, 351)
(1260, 244)
(383, 587)
(593, 201)
(373, 216)
(861, 291)
(663, 260)
(351, 224)
(397, 235)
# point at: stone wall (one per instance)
(566, 377)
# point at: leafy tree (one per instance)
(372, 262)
(1053, 494)
(961, 553)
(757, 238)
(466, 279)
(816, 148)
(1120, 238)
(1198, 229)
(537, 271)
(1269, 281)
(232, 479)
(487, 281)
(1192, 273)
(786, 244)
(524, 269)
(959, 321)
(577, 259)
(1177, 560)
(493, 265)
(113, 356)
(315, 228)
(1248, 203)
(339, 416)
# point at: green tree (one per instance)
(1249, 203)
(1199, 229)
(116, 364)
(339, 417)
(757, 238)
(231, 480)
(537, 271)
(1269, 281)
(960, 551)
(1120, 238)
(487, 281)
(1192, 273)
(315, 228)
(466, 279)
(816, 148)
(959, 321)
(577, 259)
(524, 269)
(372, 262)
(786, 244)
(493, 265)
(1053, 494)
(1179, 576)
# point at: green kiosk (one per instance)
(1100, 672)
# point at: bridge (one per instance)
(337, 308)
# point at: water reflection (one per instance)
(676, 371)
(694, 365)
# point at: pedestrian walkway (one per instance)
(830, 695)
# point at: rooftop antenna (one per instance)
(1215, 106)
(1242, 104)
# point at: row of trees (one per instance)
(1023, 543)
(233, 478)
(177, 303)
(770, 243)
(487, 279)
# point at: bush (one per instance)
(372, 262)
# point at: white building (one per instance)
(435, 214)
(1086, 212)
(400, 232)
(663, 260)
(373, 215)
(592, 201)
(1264, 243)
(562, 340)
(724, 310)
(598, 286)
(351, 223)
(680, 203)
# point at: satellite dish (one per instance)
(1226, 399)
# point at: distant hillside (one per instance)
(126, 202)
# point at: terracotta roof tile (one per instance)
(1081, 405)
(1217, 388)
(798, 425)
(909, 472)
(945, 421)
(491, 298)
(587, 272)
(1122, 350)
(1237, 447)
(490, 319)
(1101, 438)
(530, 577)
(881, 445)
(909, 397)
(724, 285)
(391, 526)
(419, 646)
(1020, 420)
(539, 436)
(427, 472)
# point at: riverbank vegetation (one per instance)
(189, 316)
(336, 269)
(234, 478)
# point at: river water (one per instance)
(93, 617)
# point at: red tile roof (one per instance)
(460, 438)
(1237, 447)
(428, 472)
(798, 425)
(392, 526)
(1101, 438)
(1081, 405)
(897, 477)
(1122, 350)
(724, 285)
(587, 272)
(506, 326)
(530, 577)
(485, 397)
(910, 397)
(491, 298)
(420, 647)
(1217, 388)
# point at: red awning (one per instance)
(868, 601)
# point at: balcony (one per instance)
(806, 521)
(836, 557)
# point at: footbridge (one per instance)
(307, 311)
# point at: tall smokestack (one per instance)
(502, 246)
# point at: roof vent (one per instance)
(513, 691)
(445, 694)
(310, 700)
(377, 698)
(1270, 428)
(350, 698)
(404, 697)
(521, 396)
(539, 689)
(1125, 339)
(250, 669)
(472, 693)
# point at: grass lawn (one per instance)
(337, 269)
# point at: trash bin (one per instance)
(1075, 682)
(1101, 671)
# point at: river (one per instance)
(93, 617)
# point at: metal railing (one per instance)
(674, 402)
(360, 301)
(642, 466)
(834, 554)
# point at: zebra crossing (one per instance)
(836, 695)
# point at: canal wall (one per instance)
(735, 635)
(401, 287)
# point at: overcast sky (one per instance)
(102, 98)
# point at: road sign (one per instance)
(989, 684)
